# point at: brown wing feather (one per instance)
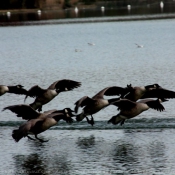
(24, 111)
(35, 91)
(124, 104)
(159, 93)
(155, 104)
(82, 102)
(65, 85)
(113, 90)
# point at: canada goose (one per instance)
(137, 92)
(28, 113)
(129, 109)
(39, 125)
(159, 92)
(44, 96)
(18, 89)
(96, 103)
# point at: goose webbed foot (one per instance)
(30, 138)
(122, 122)
(41, 140)
(90, 121)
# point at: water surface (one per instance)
(42, 54)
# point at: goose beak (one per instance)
(162, 100)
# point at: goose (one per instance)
(39, 125)
(129, 109)
(17, 89)
(26, 112)
(159, 92)
(137, 92)
(97, 102)
(44, 96)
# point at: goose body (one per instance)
(129, 109)
(149, 91)
(44, 96)
(3, 89)
(18, 89)
(138, 92)
(97, 102)
(40, 124)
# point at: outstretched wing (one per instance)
(24, 111)
(155, 104)
(17, 90)
(65, 85)
(35, 91)
(159, 93)
(124, 104)
(82, 102)
(113, 90)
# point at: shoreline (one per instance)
(91, 20)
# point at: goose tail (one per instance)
(17, 135)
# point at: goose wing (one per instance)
(35, 91)
(155, 104)
(65, 85)
(159, 93)
(125, 104)
(113, 90)
(50, 111)
(82, 102)
(24, 111)
(17, 90)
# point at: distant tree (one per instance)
(11, 4)
(16, 4)
(30, 4)
(88, 2)
(5, 4)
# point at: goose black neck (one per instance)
(58, 117)
(12, 89)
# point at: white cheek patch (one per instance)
(66, 111)
(160, 100)
(66, 89)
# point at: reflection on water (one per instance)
(109, 11)
(30, 164)
(85, 143)
(95, 154)
(125, 154)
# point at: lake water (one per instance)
(42, 54)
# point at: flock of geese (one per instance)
(130, 101)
